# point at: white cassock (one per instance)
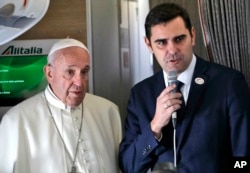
(32, 142)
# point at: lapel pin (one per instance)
(199, 81)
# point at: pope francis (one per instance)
(62, 129)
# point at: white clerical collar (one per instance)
(55, 101)
(185, 76)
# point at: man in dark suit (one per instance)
(215, 124)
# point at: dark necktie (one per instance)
(181, 110)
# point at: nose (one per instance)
(79, 79)
(171, 48)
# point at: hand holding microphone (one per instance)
(167, 103)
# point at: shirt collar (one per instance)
(55, 101)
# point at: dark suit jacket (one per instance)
(215, 126)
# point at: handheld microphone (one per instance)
(172, 79)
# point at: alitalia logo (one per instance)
(12, 50)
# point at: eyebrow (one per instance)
(165, 39)
(182, 35)
(160, 40)
(72, 66)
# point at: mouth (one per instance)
(173, 60)
(76, 93)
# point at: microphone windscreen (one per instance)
(172, 76)
(172, 79)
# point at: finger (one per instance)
(166, 91)
(171, 102)
(165, 105)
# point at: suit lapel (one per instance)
(198, 85)
(157, 84)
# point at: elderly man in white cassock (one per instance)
(62, 129)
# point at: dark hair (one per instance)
(163, 13)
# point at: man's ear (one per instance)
(148, 44)
(193, 35)
(47, 72)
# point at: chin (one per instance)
(74, 101)
(74, 105)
